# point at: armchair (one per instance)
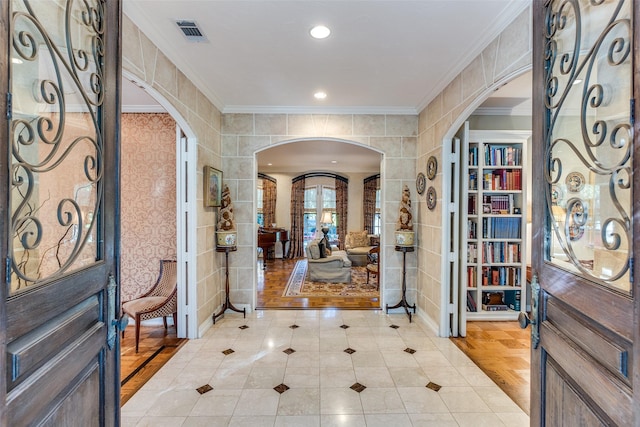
(160, 301)
(373, 266)
(335, 268)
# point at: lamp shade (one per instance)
(327, 218)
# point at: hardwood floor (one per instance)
(271, 284)
(502, 351)
(157, 346)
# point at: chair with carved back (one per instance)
(160, 301)
(373, 265)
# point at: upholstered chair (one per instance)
(160, 301)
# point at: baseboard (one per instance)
(207, 324)
(428, 322)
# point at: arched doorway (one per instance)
(320, 160)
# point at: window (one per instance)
(319, 199)
(377, 227)
(260, 201)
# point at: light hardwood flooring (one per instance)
(272, 282)
(500, 349)
(503, 351)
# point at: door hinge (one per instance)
(453, 207)
(452, 257)
(9, 106)
(451, 308)
(453, 157)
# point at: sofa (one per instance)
(333, 268)
(357, 244)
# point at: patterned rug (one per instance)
(299, 286)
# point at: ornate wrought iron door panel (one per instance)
(588, 138)
(55, 139)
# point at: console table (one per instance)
(403, 302)
(227, 303)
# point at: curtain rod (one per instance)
(320, 174)
(263, 176)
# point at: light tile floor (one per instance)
(390, 359)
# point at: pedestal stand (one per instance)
(403, 302)
(227, 304)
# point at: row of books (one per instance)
(510, 300)
(502, 179)
(502, 252)
(473, 155)
(501, 228)
(502, 156)
(498, 203)
(472, 252)
(472, 204)
(501, 276)
(472, 229)
(473, 181)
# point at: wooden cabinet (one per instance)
(493, 229)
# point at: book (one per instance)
(494, 307)
(513, 299)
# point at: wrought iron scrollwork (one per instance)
(579, 62)
(55, 136)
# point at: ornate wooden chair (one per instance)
(373, 265)
(160, 301)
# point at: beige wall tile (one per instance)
(271, 124)
(452, 95)
(240, 124)
(402, 125)
(369, 124)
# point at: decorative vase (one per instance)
(404, 238)
(226, 238)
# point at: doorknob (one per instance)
(525, 320)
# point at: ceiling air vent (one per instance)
(191, 31)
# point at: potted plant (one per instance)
(404, 226)
(226, 228)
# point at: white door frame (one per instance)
(186, 211)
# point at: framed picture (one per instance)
(212, 187)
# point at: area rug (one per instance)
(299, 286)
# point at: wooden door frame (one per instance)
(110, 119)
(565, 286)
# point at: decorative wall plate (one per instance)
(431, 198)
(421, 183)
(575, 182)
(432, 167)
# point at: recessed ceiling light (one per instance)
(320, 95)
(334, 161)
(269, 164)
(320, 32)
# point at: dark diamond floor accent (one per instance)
(289, 351)
(281, 388)
(344, 326)
(409, 350)
(433, 386)
(294, 326)
(228, 352)
(349, 350)
(203, 389)
(243, 327)
(394, 326)
(358, 387)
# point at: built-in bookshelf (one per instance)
(493, 272)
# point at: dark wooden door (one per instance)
(59, 241)
(584, 366)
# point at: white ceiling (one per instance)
(383, 57)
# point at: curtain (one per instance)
(269, 201)
(296, 245)
(342, 204)
(369, 201)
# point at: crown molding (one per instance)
(262, 109)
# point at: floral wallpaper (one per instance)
(148, 200)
